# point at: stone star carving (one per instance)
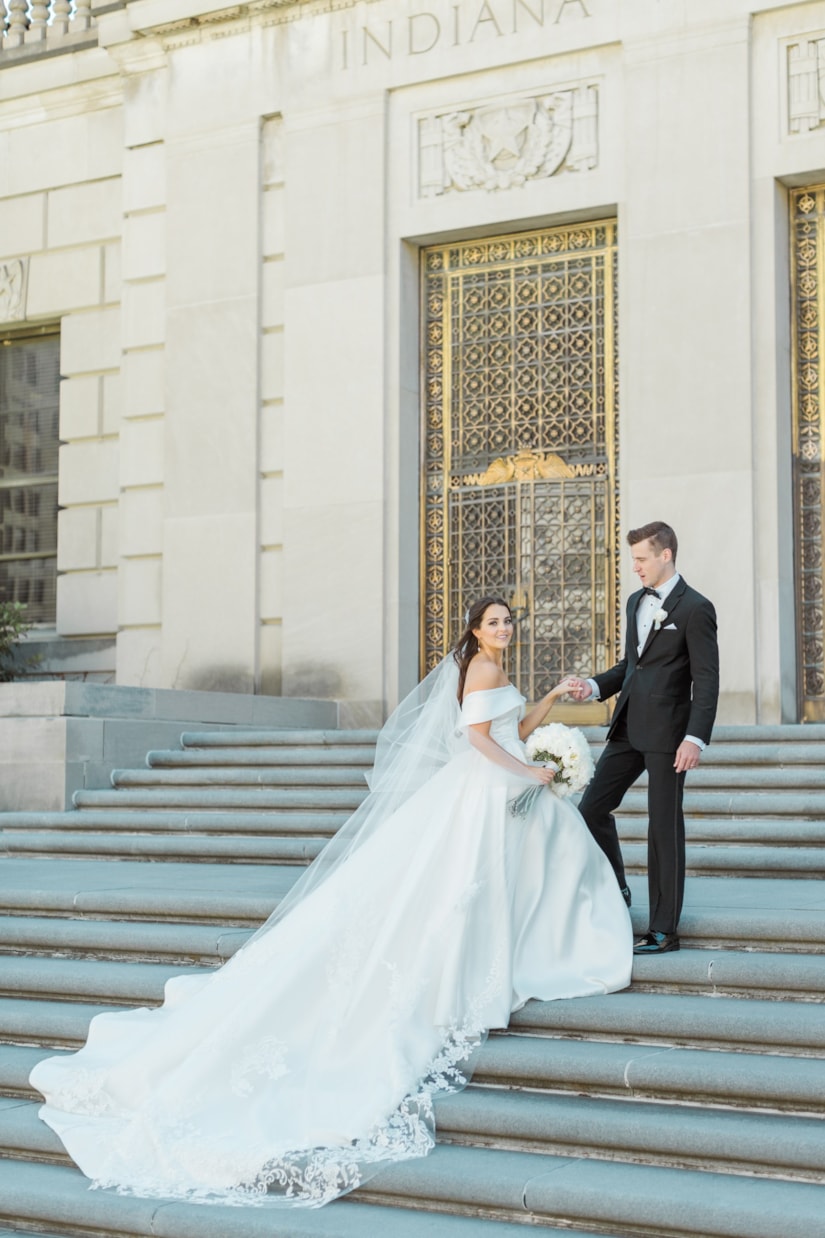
(503, 130)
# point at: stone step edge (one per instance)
(670, 1135)
(40, 1194)
(605, 1070)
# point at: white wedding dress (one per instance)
(312, 1058)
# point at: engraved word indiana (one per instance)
(452, 26)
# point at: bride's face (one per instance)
(496, 628)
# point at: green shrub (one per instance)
(12, 627)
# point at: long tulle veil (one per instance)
(421, 735)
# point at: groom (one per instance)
(668, 685)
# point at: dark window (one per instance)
(29, 380)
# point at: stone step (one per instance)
(277, 752)
(274, 754)
(775, 831)
(717, 1077)
(638, 1199)
(197, 849)
(798, 804)
(277, 824)
(205, 777)
(740, 913)
(222, 798)
(734, 778)
(281, 738)
(792, 1028)
(128, 940)
(678, 1136)
(804, 863)
(34, 1196)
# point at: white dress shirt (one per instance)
(645, 611)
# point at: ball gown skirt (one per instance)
(313, 1057)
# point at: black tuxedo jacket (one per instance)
(670, 690)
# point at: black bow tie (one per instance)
(653, 592)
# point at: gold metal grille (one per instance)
(520, 445)
(808, 312)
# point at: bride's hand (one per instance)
(567, 687)
(544, 774)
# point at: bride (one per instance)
(313, 1057)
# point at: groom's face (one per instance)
(652, 565)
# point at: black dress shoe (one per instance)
(625, 893)
(656, 943)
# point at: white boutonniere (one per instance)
(659, 618)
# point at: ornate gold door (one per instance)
(808, 311)
(520, 443)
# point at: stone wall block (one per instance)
(143, 383)
(112, 385)
(272, 293)
(88, 472)
(109, 528)
(90, 341)
(139, 585)
(272, 511)
(274, 222)
(144, 177)
(112, 273)
(59, 282)
(86, 603)
(144, 245)
(272, 438)
(272, 365)
(78, 214)
(77, 538)
(140, 518)
(65, 150)
(269, 659)
(273, 168)
(142, 452)
(80, 407)
(272, 584)
(138, 658)
(144, 314)
(22, 225)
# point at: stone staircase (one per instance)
(690, 1106)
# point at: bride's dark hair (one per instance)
(466, 647)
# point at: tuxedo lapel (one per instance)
(670, 604)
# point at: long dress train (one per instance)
(312, 1058)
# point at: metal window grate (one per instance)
(29, 381)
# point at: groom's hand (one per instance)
(687, 756)
(578, 688)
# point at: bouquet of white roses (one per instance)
(565, 748)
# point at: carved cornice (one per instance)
(216, 23)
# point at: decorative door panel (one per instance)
(808, 338)
(519, 470)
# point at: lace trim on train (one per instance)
(313, 1178)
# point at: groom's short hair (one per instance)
(660, 534)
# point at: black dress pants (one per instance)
(618, 768)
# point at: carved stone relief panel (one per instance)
(503, 144)
(805, 84)
(14, 278)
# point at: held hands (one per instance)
(573, 686)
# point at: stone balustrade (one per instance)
(28, 28)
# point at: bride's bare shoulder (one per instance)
(482, 675)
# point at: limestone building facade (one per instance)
(362, 308)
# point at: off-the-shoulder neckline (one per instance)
(502, 688)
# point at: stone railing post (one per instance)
(38, 20)
(17, 23)
(82, 19)
(61, 12)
